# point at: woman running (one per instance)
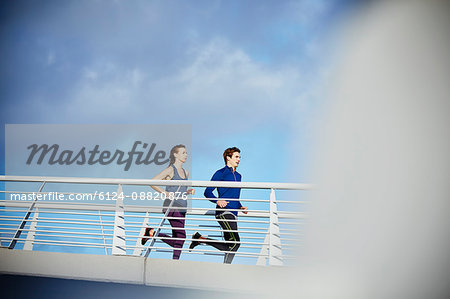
(176, 216)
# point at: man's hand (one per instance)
(190, 191)
(222, 203)
(245, 210)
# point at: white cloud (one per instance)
(106, 88)
(227, 72)
(50, 58)
(308, 10)
(217, 76)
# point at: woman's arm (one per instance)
(190, 190)
(166, 174)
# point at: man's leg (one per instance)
(222, 246)
(214, 243)
(229, 225)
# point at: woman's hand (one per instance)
(245, 210)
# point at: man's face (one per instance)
(234, 160)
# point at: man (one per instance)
(226, 211)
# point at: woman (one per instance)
(175, 171)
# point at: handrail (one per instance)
(65, 223)
(148, 182)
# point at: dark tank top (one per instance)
(181, 189)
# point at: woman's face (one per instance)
(181, 154)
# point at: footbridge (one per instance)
(91, 229)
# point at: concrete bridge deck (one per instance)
(141, 271)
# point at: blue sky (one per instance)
(244, 73)
(252, 74)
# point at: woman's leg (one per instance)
(179, 234)
(176, 220)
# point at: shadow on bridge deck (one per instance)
(130, 271)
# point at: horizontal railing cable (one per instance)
(89, 219)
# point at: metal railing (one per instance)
(269, 231)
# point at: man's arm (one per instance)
(240, 205)
(244, 210)
(209, 190)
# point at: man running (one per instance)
(226, 211)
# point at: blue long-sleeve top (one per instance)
(225, 174)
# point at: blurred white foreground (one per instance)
(379, 223)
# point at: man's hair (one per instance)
(229, 153)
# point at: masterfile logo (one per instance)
(119, 151)
(94, 156)
(92, 151)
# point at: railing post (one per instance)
(24, 220)
(32, 232)
(138, 249)
(262, 258)
(275, 254)
(103, 232)
(157, 230)
(119, 244)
